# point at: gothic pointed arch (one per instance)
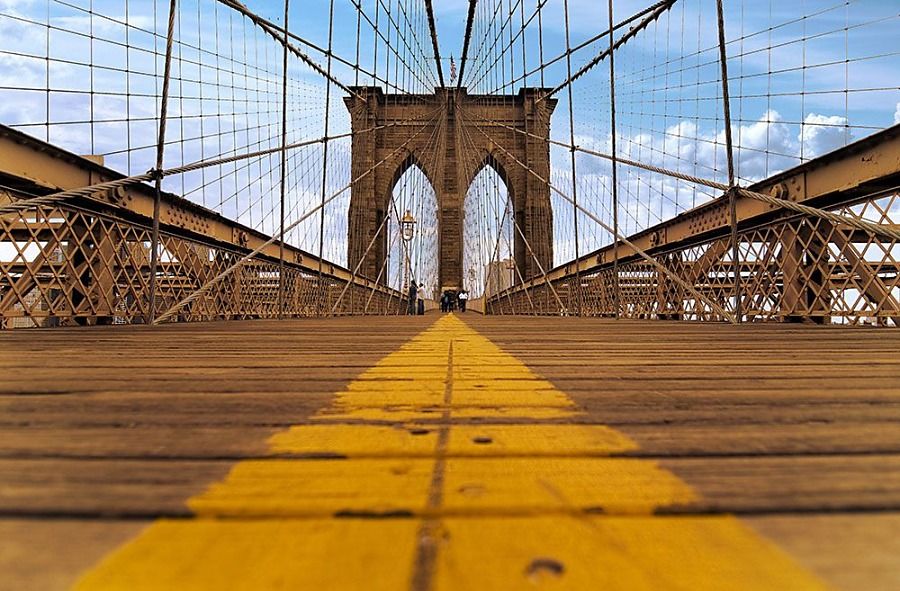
(501, 164)
(406, 160)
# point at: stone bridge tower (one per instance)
(458, 135)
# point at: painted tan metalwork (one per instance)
(87, 261)
(795, 267)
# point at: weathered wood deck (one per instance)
(793, 429)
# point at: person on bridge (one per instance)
(421, 300)
(411, 298)
(463, 297)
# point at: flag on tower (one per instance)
(452, 69)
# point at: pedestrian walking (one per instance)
(420, 301)
(463, 298)
(411, 299)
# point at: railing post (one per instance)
(160, 149)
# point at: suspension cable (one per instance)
(206, 286)
(515, 223)
(858, 223)
(434, 41)
(632, 32)
(640, 252)
(470, 19)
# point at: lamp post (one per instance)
(407, 231)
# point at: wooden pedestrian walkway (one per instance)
(450, 452)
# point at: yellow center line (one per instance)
(449, 479)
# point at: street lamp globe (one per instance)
(407, 226)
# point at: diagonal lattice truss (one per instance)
(796, 269)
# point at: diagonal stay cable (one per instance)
(431, 162)
(380, 274)
(632, 32)
(483, 215)
(430, 144)
(274, 31)
(205, 287)
(525, 240)
(619, 238)
(25, 204)
(515, 223)
(885, 230)
(575, 49)
(472, 172)
(495, 252)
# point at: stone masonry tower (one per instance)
(454, 135)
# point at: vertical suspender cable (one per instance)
(160, 148)
(284, 93)
(541, 60)
(322, 290)
(541, 40)
(572, 154)
(615, 181)
(527, 138)
(358, 30)
(729, 150)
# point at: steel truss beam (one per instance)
(845, 177)
(30, 167)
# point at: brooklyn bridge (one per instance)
(405, 294)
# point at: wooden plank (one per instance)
(771, 422)
(743, 485)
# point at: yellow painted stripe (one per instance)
(449, 482)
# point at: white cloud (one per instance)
(821, 134)
(897, 115)
(764, 147)
(8, 5)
